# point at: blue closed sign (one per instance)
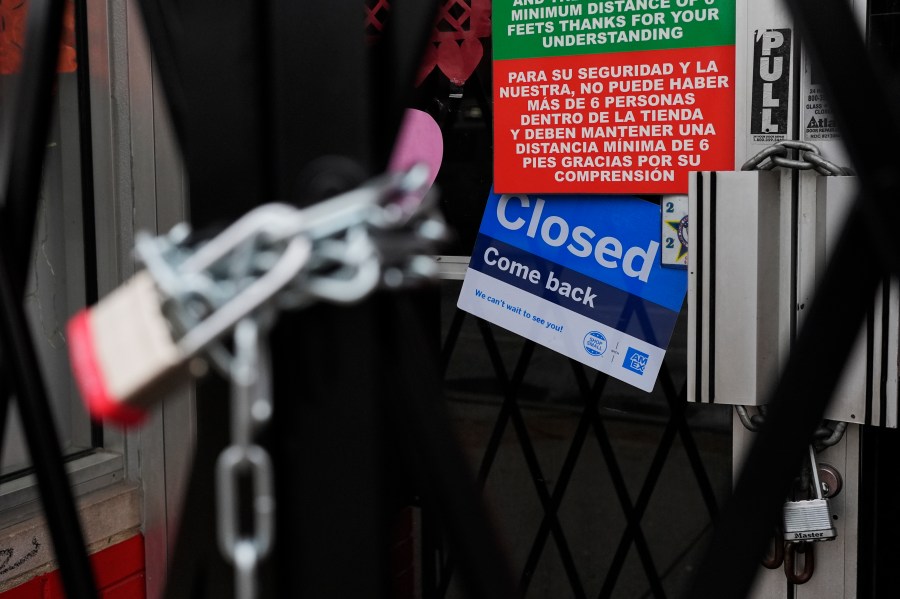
(578, 274)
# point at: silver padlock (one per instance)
(124, 352)
(809, 519)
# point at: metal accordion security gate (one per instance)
(586, 456)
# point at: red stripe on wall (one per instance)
(118, 570)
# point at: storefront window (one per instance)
(58, 282)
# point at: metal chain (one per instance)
(796, 155)
(808, 157)
(280, 257)
(246, 462)
(784, 556)
(828, 434)
(338, 251)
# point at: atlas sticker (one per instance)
(816, 112)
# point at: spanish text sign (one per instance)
(579, 275)
(621, 96)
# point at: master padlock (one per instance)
(809, 519)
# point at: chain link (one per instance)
(245, 461)
(791, 550)
(808, 157)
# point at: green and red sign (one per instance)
(617, 96)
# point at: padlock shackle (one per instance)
(815, 472)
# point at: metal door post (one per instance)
(862, 106)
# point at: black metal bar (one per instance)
(85, 152)
(711, 292)
(86, 172)
(537, 477)
(885, 345)
(327, 146)
(677, 423)
(431, 553)
(562, 482)
(22, 149)
(333, 428)
(510, 391)
(634, 515)
(511, 411)
(216, 93)
(25, 134)
(394, 59)
(697, 233)
(879, 519)
(634, 512)
(449, 480)
(21, 159)
(196, 569)
(22, 366)
(870, 353)
(459, 317)
(863, 94)
(678, 406)
(323, 107)
(678, 410)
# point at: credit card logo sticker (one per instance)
(635, 361)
